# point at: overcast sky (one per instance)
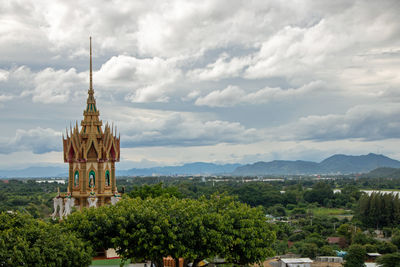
(215, 81)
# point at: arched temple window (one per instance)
(76, 179)
(92, 179)
(107, 178)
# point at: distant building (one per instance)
(50, 181)
(295, 262)
(371, 257)
(327, 261)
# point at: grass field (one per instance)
(110, 262)
(330, 212)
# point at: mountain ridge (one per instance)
(335, 164)
(185, 169)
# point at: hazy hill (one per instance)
(353, 164)
(383, 172)
(277, 167)
(336, 164)
(34, 172)
(186, 169)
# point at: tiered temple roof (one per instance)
(91, 142)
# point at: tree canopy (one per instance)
(153, 191)
(320, 193)
(379, 210)
(389, 260)
(355, 257)
(151, 228)
(31, 242)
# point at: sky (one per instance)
(215, 81)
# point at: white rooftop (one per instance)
(297, 260)
(374, 254)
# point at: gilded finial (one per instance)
(91, 74)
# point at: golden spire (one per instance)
(91, 102)
(91, 74)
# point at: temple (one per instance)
(91, 152)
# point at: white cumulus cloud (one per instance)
(233, 95)
(39, 140)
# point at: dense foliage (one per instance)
(197, 218)
(28, 196)
(157, 190)
(193, 229)
(356, 256)
(31, 242)
(389, 260)
(379, 210)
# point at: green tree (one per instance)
(321, 193)
(379, 210)
(153, 191)
(305, 249)
(31, 242)
(361, 238)
(249, 235)
(151, 228)
(326, 251)
(396, 240)
(370, 248)
(280, 247)
(389, 260)
(316, 239)
(387, 247)
(86, 225)
(345, 230)
(277, 210)
(355, 256)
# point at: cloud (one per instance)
(151, 93)
(220, 69)
(3, 75)
(185, 28)
(322, 50)
(45, 86)
(16, 80)
(191, 96)
(149, 78)
(146, 128)
(122, 69)
(56, 86)
(39, 140)
(311, 68)
(361, 122)
(233, 95)
(4, 98)
(229, 96)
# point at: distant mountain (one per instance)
(357, 164)
(383, 172)
(277, 167)
(186, 169)
(35, 172)
(336, 164)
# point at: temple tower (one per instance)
(91, 152)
